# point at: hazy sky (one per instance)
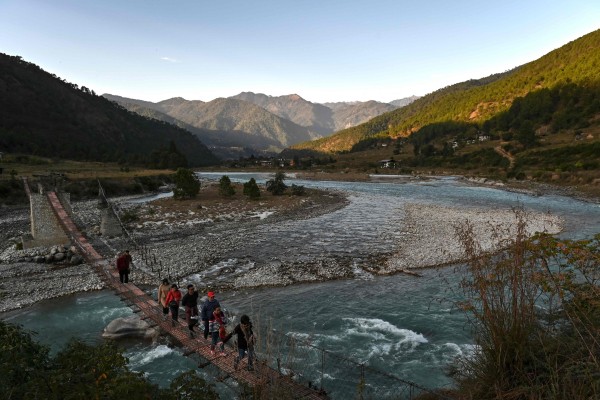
(323, 50)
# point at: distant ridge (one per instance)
(315, 117)
(322, 118)
(225, 122)
(250, 123)
(405, 101)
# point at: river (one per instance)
(401, 325)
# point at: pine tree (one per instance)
(251, 189)
(225, 188)
(186, 184)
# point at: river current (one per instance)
(401, 325)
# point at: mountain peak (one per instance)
(172, 101)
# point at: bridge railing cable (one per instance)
(336, 375)
(149, 263)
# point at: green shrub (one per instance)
(225, 187)
(276, 185)
(186, 184)
(251, 189)
(82, 371)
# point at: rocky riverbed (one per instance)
(231, 244)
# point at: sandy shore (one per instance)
(430, 239)
(206, 245)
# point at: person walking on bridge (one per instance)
(173, 299)
(217, 330)
(128, 262)
(123, 268)
(208, 308)
(190, 302)
(245, 342)
(163, 291)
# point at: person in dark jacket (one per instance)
(208, 308)
(245, 342)
(128, 262)
(123, 268)
(190, 302)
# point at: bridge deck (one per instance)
(142, 302)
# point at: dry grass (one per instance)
(74, 170)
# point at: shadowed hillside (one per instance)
(43, 115)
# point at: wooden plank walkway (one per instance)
(143, 303)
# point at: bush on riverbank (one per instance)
(80, 370)
(535, 310)
(12, 192)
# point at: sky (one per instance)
(322, 50)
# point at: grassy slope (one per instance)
(477, 100)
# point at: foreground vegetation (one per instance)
(535, 311)
(81, 371)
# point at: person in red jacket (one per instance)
(123, 267)
(172, 300)
(217, 330)
(128, 261)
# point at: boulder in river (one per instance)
(129, 327)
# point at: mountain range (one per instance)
(542, 117)
(254, 122)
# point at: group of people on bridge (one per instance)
(214, 320)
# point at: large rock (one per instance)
(129, 327)
(76, 259)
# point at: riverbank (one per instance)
(589, 193)
(185, 236)
(230, 244)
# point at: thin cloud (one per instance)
(169, 59)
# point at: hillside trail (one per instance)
(507, 155)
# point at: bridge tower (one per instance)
(46, 229)
(110, 225)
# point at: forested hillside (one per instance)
(43, 115)
(477, 101)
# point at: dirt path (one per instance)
(507, 155)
